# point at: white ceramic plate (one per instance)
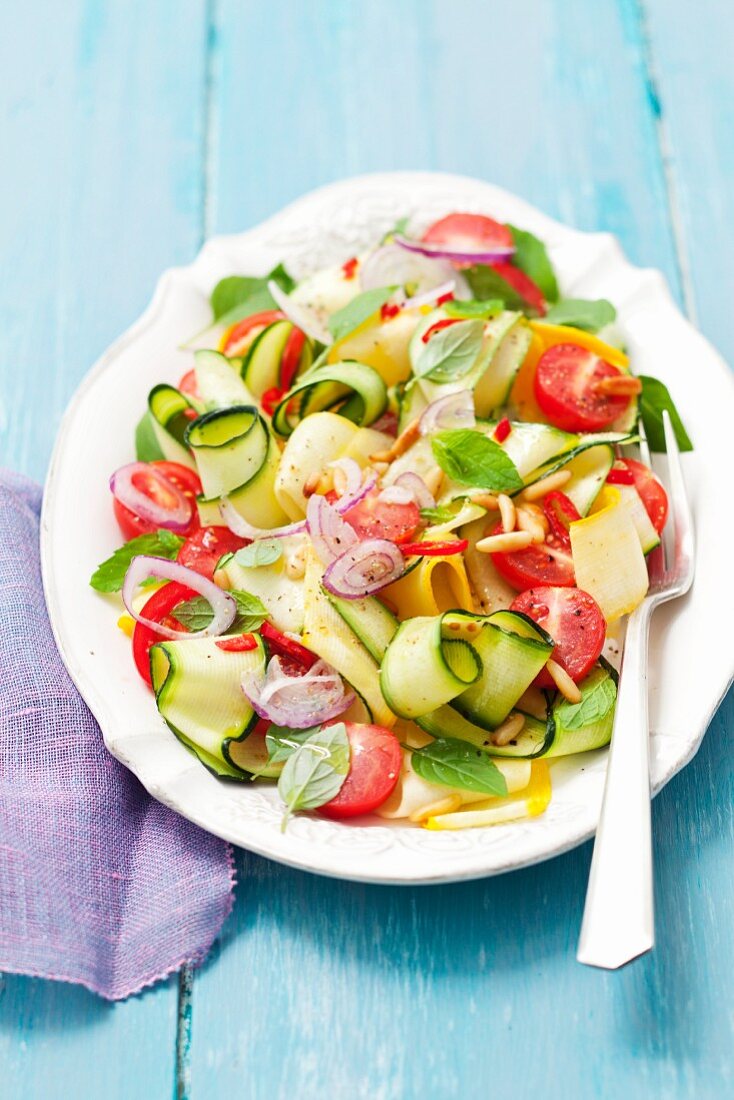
(691, 659)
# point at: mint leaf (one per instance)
(472, 459)
(487, 285)
(108, 576)
(196, 613)
(531, 257)
(451, 352)
(356, 312)
(314, 773)
(595, 705)
(452, 763)
(281, 742)
(239, 296)
(469, 308)
(147, 447)
(260, 552)
(588, 315)
(654, 399)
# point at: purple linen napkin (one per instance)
(99, 884)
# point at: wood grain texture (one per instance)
(135, 128)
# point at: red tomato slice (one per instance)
(189, 385)
(575, 623)
(202, 550)
(651, 492)
(374, 768)
(538, 564)
(158, 608)
(185, 480)
(372, 518)
(565, 380)
(560, 512)
(239, 336)
(523, 284)
(287, 647)
(468, 232)
(290, 358)
(239, 643)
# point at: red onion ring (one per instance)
(125, 490)
(349, 500)
(392, 266)
(364, 569)
(416, 486)
(353, 473)
(454, 410)
(331, 535)
(300, 701)
(455, 255)
(224, 606)
(240, 526)
(302, 318)
(428, 297)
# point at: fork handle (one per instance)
(619, 922)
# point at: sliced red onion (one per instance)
(349, 500)
(428, 297)
(353, 473)
(303, 318)
(395, 494)
(454, 410)
(455, 255)
(331, 535)
(297, 701)
(393, 266)
(122, 484)
(240, 526)
(224, 606)
(416, 486)
(364, 569)
(387, 424)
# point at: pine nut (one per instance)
(433, 481)
(546, 485)
(380, 468)
(443, 806)
(508, 730)
(619, 386)
(339, 478)
(295, 566)
(486, 500)
(311, 483)
(530, 523)
(563, 682)
(405, 440)
(507, 513)
(505, 543)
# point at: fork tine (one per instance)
(681, 511)
(644, 446)
(656, 559)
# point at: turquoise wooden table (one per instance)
(133, 129)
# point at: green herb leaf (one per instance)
(224, 560)
(469, 308)
(314, 773)
(453, 763)
(359, 310)
(654, 399)
(531, 257)
(588, 315)
(451, 353)
(147, 447)
(440, 514)
(281, 742)
(472, 459)
(594, 706)
(196, 613)
(260, 552)
(398, 230)
(239, 296)
(487, 285)
(108, 576)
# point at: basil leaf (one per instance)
(595, 705)
(224, 560)
(588, 315)
(531, 257)
(440, 514)
(356, 312)
(486, 284)
(147, 447)
(196, 613)
(472, 459)
(314, 773)
(468, 308)
(108, 576)
(260, 552)
(398, 230)
(451, 353)
(239, 296)
(281, 742)
(654, 399)
(453, 763)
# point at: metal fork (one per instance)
(619, 921)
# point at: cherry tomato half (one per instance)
(158, 608)
(202, 550)
(469, 232)
(538, 564)
(185, 480)
(189, 386)
(565, 381)
(238, 337)
(290, 358)
(374, 769)
(561, 512)
(651, 492)
(238, 643)
(372, 518)
(575, 623)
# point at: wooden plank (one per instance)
(324, 987)
(102, 189)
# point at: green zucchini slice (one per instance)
(352, 389)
